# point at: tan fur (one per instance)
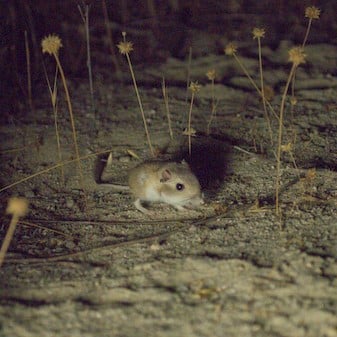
(157, 182)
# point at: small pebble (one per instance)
(124, 159)
(70, 203)
(70, 245)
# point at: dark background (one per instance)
(158, 29)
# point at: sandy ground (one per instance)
(230, 268)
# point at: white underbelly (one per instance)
(152, 194)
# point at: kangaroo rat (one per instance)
(169, 182)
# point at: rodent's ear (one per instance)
(165, 176)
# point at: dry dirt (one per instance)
(85, 262)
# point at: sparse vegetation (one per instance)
(211, 76)
(264, 154)
(167, 109)
(194, 88)
(296, 57)
(51, 45)
(125, 48)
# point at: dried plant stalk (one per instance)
(165, 96)
(29, 75)
(110, 39)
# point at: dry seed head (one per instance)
(51, 44)
(297, 55)
(293, 101)
(125, 47)
(211, 74)
(231, 48)
(311, 174)
(287, 147)
(258, 33)
(17, 206)
(195, 87)
(312, 12)
(191, 133)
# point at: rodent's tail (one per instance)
(114, 187)
(99, 167)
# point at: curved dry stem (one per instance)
(166, 103)
(29, 224)
(53, 98)
(52, 168)
(72, 121)
(188, 72)
(85, 18)
(110, 39)
(244, 69)
(279, 140)
(213, 111)
(29, 76)
(262, 92)
(189, 125)
(140, 104)
(307, 33)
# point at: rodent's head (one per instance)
(179, 186)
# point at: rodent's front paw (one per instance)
(141, 208)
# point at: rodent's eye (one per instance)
(180, 187)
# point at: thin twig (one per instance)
(22, 148)
(307, 33)
(213, 108)
(110, 40)
(29, 224)
(140, 104)
(85, 18)
(160, 236)
(72, 120)
(263, 92)
(188, 71)
(165, 96)
(29, 76)
(53, 97)
(279, 141)
(189, 126)
(52, 168)
(254, 84)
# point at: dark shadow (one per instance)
(99, 165)
(209, 161)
